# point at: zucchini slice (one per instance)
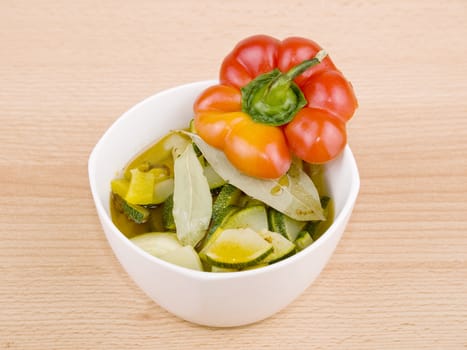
(133, 212)
(238, 248)
(227, 196)
(282, 247)
(286, 226)
(184, 256)
(303, 240)
(157, 243)
(254, 217)
(168, 220)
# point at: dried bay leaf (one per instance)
(294, 194)
(192, 207)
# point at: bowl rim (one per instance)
(206, 275)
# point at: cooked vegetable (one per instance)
(120, 187)
(285, 225)
(303, 240)
(167, 247)
(276, 98)
(238, 248)
(207, 212)
(253, 217)
(184, 256)
(221, 218)
(224, 206)
(168, 221)
(135, 213)
(228, 196)
(282, 247)
(157, 243)
(141, 188)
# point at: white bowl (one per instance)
(212, 299)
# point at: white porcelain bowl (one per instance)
(212, 299)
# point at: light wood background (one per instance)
(68, 69)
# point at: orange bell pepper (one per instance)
(256, 149)
(276, 99)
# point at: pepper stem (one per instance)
(300, 68)
(273, 98)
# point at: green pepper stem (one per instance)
(300, 68)
(273, 98)
(282, 82)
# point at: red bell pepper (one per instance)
(276, 99)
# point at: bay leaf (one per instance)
(192, 207)
(294, 194)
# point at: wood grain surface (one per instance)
(69, 69)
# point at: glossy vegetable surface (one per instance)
(256, 149)
(276, 99)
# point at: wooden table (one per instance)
(398, 279)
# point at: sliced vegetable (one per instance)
(303, 240)
(134, 212)
(227, 196)
(254, 217)
(120, 186)
(206, 245)
(192, 207)
(250, 217)
(184, 256)
(128, 227)
(141, 188)
(292, 227)
(160, 172)
(167, 247)
(168, 220)
(284, 225)
(238, 248)
(157, 243)
(282, 247)
(221, 218)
